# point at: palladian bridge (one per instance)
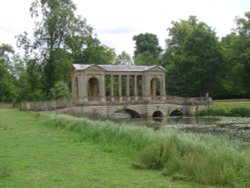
(138, 90)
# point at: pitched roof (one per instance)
(116, 68)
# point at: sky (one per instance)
(116, 21)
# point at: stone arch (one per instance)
(132, 113)
(157, 114)
(155, 86)
(176, 112)
(93, 88)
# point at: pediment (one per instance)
(94, 68)
(157, 69)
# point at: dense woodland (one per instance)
(197, 61)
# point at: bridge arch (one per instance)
(132, 113)
(176, 112)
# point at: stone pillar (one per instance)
(135, 88)
(128, 89)
(163, 93)
(153, 88)
(102, 88)
(146, 87)
(120, 88)
(84, 87)
(112, 87)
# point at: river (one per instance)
(232, 127)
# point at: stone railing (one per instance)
(67, 103)
(189, 101)
(48, 105)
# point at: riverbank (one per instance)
(61, 150)
(229, 107)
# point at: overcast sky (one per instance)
(116, 21)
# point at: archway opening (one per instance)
(125, 114)
(157, 116)
(93, 88)
(132, 113)
(177, 113)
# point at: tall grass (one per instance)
(201, 158)
(231, 107)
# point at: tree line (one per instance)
(196, 60)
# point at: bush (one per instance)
(212, 112)
(60, 91)
(232, 112)
(239, 112)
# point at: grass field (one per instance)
(231, 103)
(229, 107)
(33, 153)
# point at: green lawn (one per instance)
(231, 103)
(35, 154)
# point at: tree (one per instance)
(60, 91)
(146, 58)
(58, 38)
(146, 46)
(236, 54)
(8, 90)
(243, 31)
(233, 81)
(193, 59)
(124, 58)
(98, 54)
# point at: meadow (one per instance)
(229, 107)
(52, 150)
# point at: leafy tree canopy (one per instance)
(147, 48)
(193, 59)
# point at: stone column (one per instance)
(153, 88)
(163, 93)
(135, 88)
(120, 88)
(128, 89)
(102, 88)
(84, 87)
(112, 87)
(146, 82)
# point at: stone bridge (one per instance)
(157, 108)
(107, 89)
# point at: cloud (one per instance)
(118, 31)
(117, 21)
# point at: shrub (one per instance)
(211, 112)
(239, 112)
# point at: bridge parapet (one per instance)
(189, 101)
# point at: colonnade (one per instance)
(119, 87)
